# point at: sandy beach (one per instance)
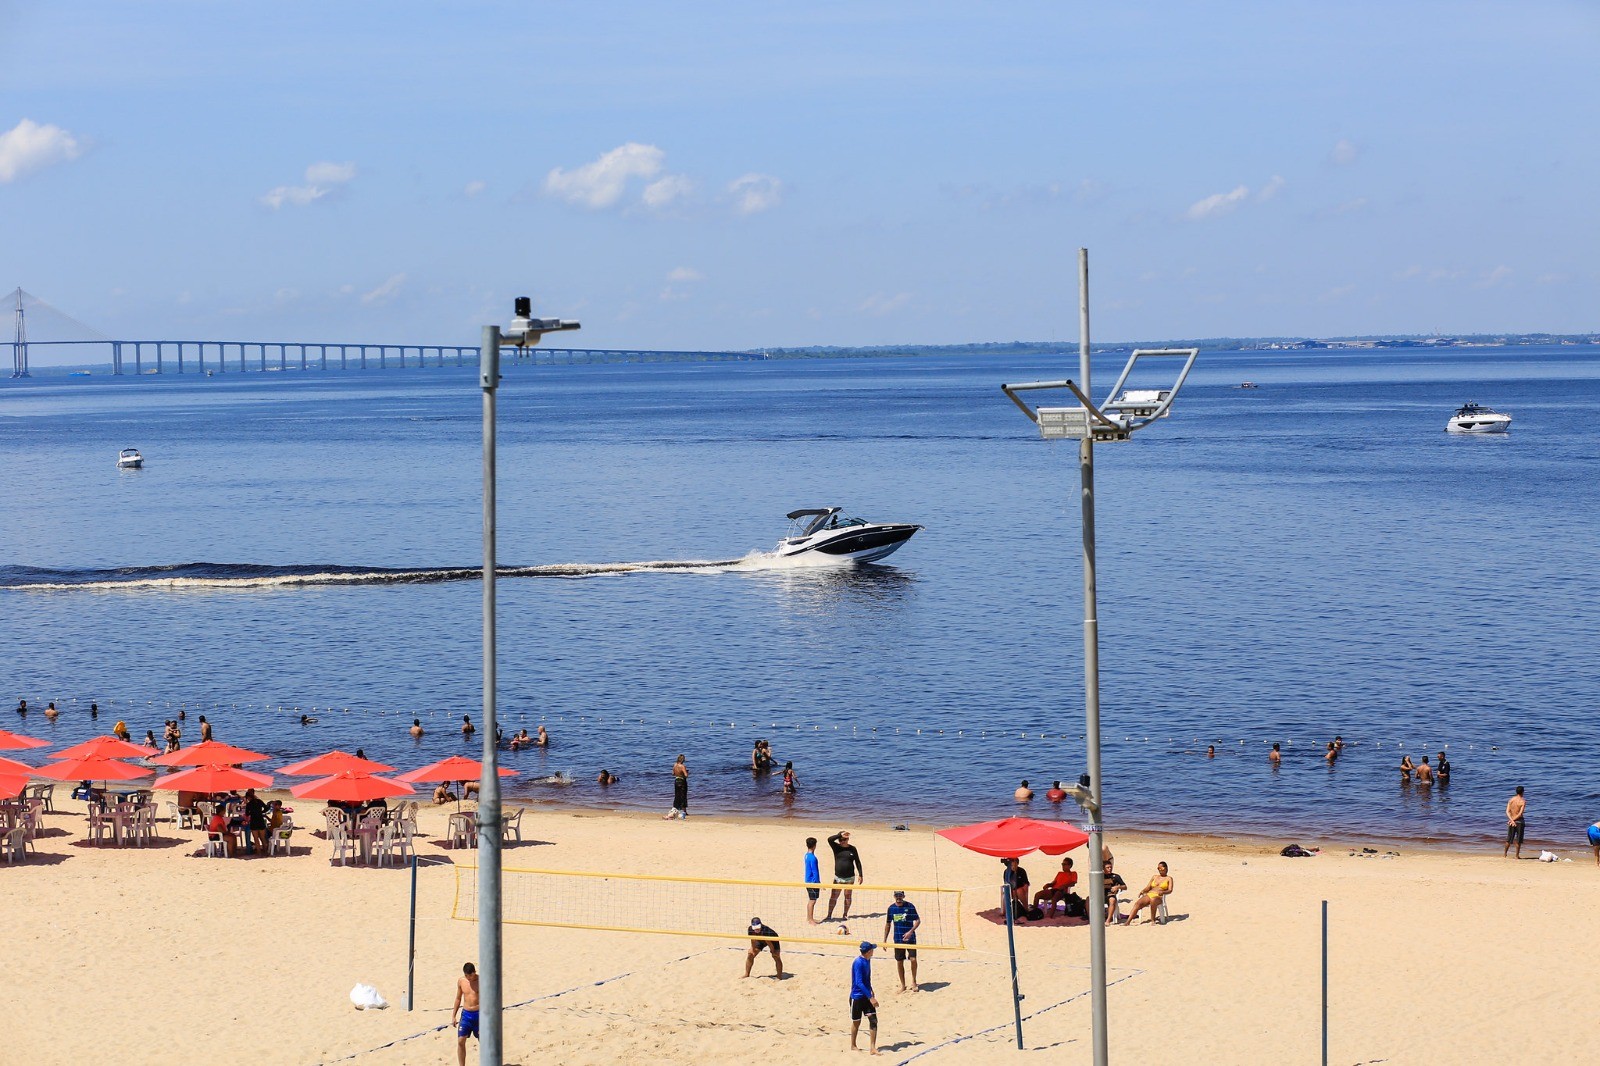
(1436, 956)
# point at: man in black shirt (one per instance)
(757, 929)
(846, 870)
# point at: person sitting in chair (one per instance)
(1062, 890)
(1155, 890)
(1114, 888)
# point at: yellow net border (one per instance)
(673, 915)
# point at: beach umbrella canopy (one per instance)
(10, 741)
(208, 753)
(106, 747)
(352, 786)
(214, 778)
(455, 768)
(11, 767)
(1012, 838)
(334, 762)
(92, 769)
(11, 786)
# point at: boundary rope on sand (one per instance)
(527, 1002)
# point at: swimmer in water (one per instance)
(791, 783)
(467, 728)
(607, 778)
(543, 739)
(306, 719)
(22, 708)
(1424, 772)
(50, 712)
(1023, 793)
(1406, 768)
(1274, 756)
(1211, 751)
(1056, 793)
(94, 710)
(416, 727)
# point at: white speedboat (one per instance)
(822, 533)
(1472, 418)
(129, 459)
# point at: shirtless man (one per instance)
(1023, 793)
(1275, 756)
(416, 727)
(205, 729)
(1516, 822)
(467, 1007)
(1424, 772)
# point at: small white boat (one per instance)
(130, 459)
(1473, 418)
(821, 533)
(1248, 385)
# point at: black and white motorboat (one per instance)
(1474, 418)
(822, 533)
(130, 459)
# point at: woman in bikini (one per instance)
(1155, 890)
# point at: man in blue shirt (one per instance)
(813, 880)
(862, 1001)
(900, 929)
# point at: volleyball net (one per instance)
(718, 908)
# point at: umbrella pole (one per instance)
(1011, 944)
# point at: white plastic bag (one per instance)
(365, 997)
(1548, 856)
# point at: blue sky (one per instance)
(734, 175)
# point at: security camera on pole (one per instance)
(1124, 413)
(524, 331)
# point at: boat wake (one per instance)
(210, 577)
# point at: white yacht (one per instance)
(129, 459)
(821, 532)
(1472, 418)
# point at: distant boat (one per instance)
(81, 374)
(130, 459)
(820, 532)
(1248, 385)
(1474, 418)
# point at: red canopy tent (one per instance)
(352, 786)
(209, 779)
(334, 762)
(1012, 838)
(209, 753)
(106, 747)
(93, 769)
(10, 741)
(11, 767)
(11, 785)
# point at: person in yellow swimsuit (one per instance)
(1154, 891)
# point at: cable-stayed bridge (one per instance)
(138, 357)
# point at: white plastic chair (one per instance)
(217, 846)
(279, 838)
(16, 844)
(510, 825)
(45, 793)
(144, 824)
(1161, 910)
(99, 824)
(394, 844)
(461, 831)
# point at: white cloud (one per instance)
(475, 187)
(1350, 207)
(879, 304)
(755, 193)
(321, 179)
(1495, 276)
(330, 173)
(385, 292)
(600, 184)
(684, 273)
(1218, 204)
(1271, 188)
(1344, 153)
(28, 146)
(664, 191)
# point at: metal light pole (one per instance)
(1115, 420)
(1091, 696)
(489, 998)
(525, 330)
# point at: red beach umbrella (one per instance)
(10, 741)
(1012, 838)
(352, 786)
(215, 778)
(92, 769)
(455, 768)
(106, 747)
(209, 753)
(11, 767)
(334, 762)
(11, 786)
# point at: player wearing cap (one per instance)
(862, 1001)
(902, 920)
(758, 946)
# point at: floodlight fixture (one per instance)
(1125, 411)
